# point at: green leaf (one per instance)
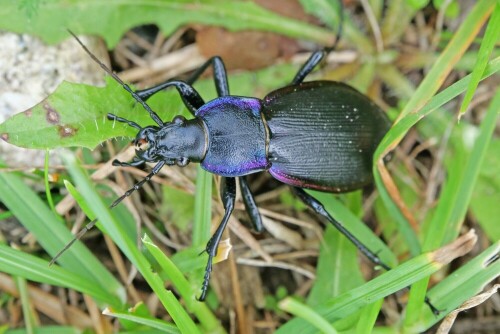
(163, 326)
(74, 115)
(112, 18)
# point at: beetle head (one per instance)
(145, 144)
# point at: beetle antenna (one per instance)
(117, 201)
(152, 114)
(113, 117)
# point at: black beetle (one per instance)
(317, 135)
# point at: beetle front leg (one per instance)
(250, 205)
(228, 195)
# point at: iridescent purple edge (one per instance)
(240, 102)
(290, 180)
(240, 170)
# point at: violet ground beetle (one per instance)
(317, 135)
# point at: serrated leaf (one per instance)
(112, 18)
(74, 115)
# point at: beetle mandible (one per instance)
(317, 135)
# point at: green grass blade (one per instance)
(421, 99)
(490, 38)
(169, 271)
(368, 317)
(52, 235)
(449, 57)
(46, 181)
(17, 263)
(383, 285)
(337, 270)
(127, 245)
(455, 197)
(461, 285)
(163, 326)
(303, 311)
(47, 330)
(29, 320)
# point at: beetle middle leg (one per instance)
(228, 195)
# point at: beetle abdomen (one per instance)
(236, 136)
(323, 135)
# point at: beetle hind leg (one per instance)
(316, 205)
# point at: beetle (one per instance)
(317, 135)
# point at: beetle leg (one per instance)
(316, 205)
(133, 163)
(250, 205)
(228, 195)
(189, 95)
(317, 56)
(309, 65)
(220, 75)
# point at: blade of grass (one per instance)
(453, 203)
(461, 285)
(47, 330)
(337, 270)
(29, 319)
(431, 83)
(169, 271)
(399, 129)
(52, 235)
(129, 248)
(490, 38)
(20, 264)
(383, 285)
(449, 57)
(303, 311)
(368, 317)
(163, 326)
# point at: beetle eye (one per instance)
(179, 119)
(182, 162)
